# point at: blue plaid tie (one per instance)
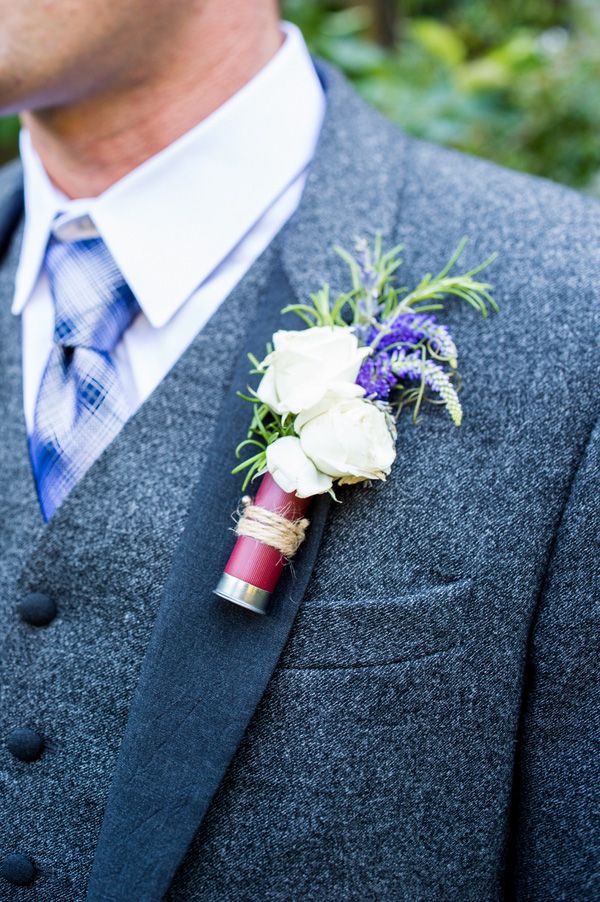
(80, 405)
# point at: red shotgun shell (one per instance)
(253, 569)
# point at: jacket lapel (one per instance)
(206, 667)
(11, 203)
(208, 662)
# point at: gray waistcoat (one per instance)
(131, 508)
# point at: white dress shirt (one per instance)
(184, 226)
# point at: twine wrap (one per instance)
(271, 529)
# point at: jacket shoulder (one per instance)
(546, 236)
(444, 193)
(521, 203)
(545, 277)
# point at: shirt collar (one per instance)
(171, 221)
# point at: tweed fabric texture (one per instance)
(428, 731)
(81, 404)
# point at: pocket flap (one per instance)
(361, 632)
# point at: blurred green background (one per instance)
(517, 81)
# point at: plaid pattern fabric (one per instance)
(80, 406)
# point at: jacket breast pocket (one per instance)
(347, 633)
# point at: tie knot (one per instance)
(93, 305)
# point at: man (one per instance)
(416, 717)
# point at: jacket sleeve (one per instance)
(555, 842)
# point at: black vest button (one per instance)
(38, 609)
(17, 869)
(25, 744)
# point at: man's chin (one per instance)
(15, 98)
(11, 99)
(20, 94)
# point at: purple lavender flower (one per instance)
(410, 328)
(396, 359)
(376, 377)
(380, 374)
(411, 365)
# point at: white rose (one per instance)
(306, 364)
(350, 440)
(293, 471)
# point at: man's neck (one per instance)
(88, 146)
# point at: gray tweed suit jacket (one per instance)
(417, 717)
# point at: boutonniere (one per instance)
(328, 399)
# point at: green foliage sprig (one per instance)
(376, 300)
